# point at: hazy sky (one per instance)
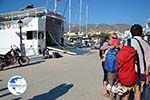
(100, 11)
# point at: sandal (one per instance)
(106, 94)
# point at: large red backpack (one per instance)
(126, 59)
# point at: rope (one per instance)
(56, 41)
(59, 44)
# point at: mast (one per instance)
(46, 4)
(80, 19)
(87, 19)
(46, 7)
(69, 16)
(55, 6)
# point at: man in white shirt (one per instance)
(137, 32)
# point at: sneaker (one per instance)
(122, 89)
(118, 89)
(120, 94)
(114, 89)
(108, 87)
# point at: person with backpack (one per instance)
(133, 63)
(104, 43)
(108, 62)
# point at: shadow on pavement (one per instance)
(54, 93)
(3, 89)
(5, 94)
(18, 66)
(17, 98)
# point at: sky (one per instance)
(99, 12)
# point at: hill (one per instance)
(101, 27)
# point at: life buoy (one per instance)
(7, 25)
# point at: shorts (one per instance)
(111, 78)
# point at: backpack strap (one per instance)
(138, 69)
(142, 53)
(129, 42)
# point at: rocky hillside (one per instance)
(101, 27)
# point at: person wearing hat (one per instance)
(113, 42)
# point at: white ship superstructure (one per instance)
(40, 28)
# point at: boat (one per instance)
(41, 28)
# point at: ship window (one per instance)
(31, 35)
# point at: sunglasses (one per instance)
(114, 37)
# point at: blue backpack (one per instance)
(110, 60)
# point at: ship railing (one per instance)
(34, 12)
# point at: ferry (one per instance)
(41, 28)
